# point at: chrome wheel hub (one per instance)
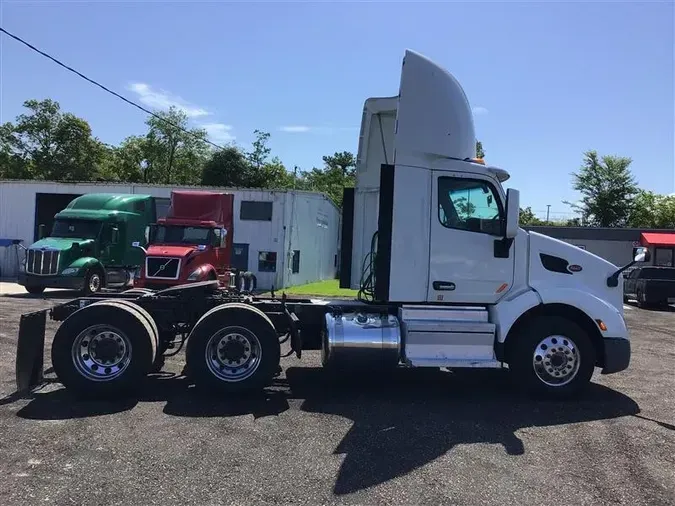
(556, 360)
(101, 353)
(94, 283)
(233, 354)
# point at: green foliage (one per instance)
(48, 144)
(607, 188)
(651, 210)
(338, 172)
(527, 217)
(227, 167)
(479, 150)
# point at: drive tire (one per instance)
(72, 350)
(253, 340)
(536, 338)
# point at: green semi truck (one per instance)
(89, 247)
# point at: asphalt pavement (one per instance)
(419, 437)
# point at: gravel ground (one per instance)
(420, 437)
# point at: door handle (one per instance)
(443, 285)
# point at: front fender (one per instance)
(205, 270)
(509, 309)
(84, 263)
(594, 307)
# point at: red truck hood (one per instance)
(170, 251)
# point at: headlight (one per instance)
(70, 271)
(194, 275)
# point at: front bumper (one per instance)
(63, 282)
(617, 355)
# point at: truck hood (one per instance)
(159, 250)
(557, 263)
(59, 243)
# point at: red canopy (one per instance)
(657, 239)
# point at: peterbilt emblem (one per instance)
(574, 268)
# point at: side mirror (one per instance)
(512, 213)
(115, 235)
(42, 231)
(137, 244)
(642, 255)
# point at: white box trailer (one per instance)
(450, 281)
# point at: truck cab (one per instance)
(86, 249)
(192, 243)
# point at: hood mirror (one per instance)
(642, 255)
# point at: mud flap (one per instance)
(30, 350)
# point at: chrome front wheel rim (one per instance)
(94, 283)
(556, 360)
(233, 354)
(101, 353)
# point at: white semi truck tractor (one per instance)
(430, 238)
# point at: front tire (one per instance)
(233, 348)
(104, 349)
(93, 281)
(553, 357)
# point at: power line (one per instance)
(19, 39)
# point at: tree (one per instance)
(174, 153)
(48, 144)
(527, 217)
(227, 167)
(607, 188)
(479, 150)
(651, 210)
(338, 172)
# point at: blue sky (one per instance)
(549, 80)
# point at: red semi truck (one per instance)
(192, 243)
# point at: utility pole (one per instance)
(548, 210)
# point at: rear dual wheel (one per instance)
(233, 348)
(105, 349)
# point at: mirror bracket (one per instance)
(613, 280)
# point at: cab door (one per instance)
(467, 217)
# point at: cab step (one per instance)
(447, 337)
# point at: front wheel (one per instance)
(93, 282)
(553, 356)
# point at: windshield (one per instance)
(80, 229)
(175, 234)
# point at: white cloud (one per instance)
(295, 128)
(161, 99)
(218, 132)
(477, 111)
(316, 129)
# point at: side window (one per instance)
(470, 204)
